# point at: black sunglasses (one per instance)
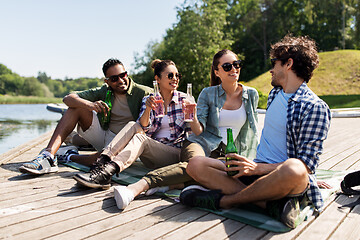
(273, 61)
(228, 66)
(171, 76)
(115, 78)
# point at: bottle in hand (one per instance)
(230, 148)
(189, 105)
(159, 109)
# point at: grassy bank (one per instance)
(7, 99)
(342, 101)
(337, 74)
(334, 101)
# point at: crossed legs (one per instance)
(290, 177)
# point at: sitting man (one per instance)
(100, 114)
(283, 172)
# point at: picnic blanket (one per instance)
(248, 214)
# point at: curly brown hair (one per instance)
(302, 50)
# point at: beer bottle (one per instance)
(230, 148)
(103, 118)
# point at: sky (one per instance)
(73, 38)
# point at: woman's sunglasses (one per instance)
(228, 66)
(115, 78)
(171, 76)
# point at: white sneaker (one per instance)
(123, 196)
(42, 164)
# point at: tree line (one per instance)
(247, 27)
(42, 86)
(203, 27)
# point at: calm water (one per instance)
(20, 123)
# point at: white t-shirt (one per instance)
(164, 131)
(233, 119)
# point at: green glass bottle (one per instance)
(230, 148)
(106, 119)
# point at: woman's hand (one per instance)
(150, 103)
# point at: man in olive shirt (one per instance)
(100, 114)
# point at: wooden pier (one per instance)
(52, 206)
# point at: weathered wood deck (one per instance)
(53, 207)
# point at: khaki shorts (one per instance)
(95, 135)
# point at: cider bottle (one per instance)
(159, 109)
(189, 107)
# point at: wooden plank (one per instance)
(341, 160)
(195, 228)
(26, 194)
(73, 219)
(327, 222)
(39, 204)
(248, 232)
(168, 226)
(40, 213)
(143, 223)
(221, 231)
(90, 224)
(349, 228)
(62, 215)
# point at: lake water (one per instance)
(20, 123)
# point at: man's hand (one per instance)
(245, 166)
(99, 106)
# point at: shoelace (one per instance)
(37, 159)
(206, 202)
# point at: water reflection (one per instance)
(20, 123)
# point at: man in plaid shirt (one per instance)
(282, 176)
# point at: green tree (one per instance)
(191, 43)
(11, 84)
(43, 78)
(4, 70)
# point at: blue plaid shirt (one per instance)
(179, 129)
(308, 122)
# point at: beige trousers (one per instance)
(132, 143)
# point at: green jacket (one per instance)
(134, 96)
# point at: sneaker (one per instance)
(42, 164)
(100, 174)
(285, 210)
(123, 196)
(197, 196)
(65, 152)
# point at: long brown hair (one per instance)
(215, 80)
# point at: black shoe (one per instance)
(285, 210)
(100, 174)
(197, 196)
(348, 190)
